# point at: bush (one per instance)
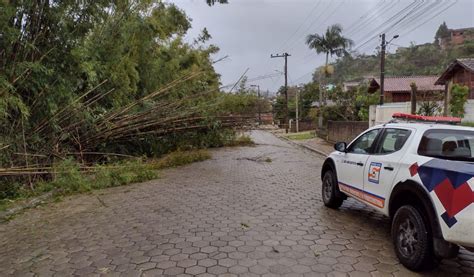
(69, 178)
(180, 158)
(239, 140)
(468, 124)
(459, 96)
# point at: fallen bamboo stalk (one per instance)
(45, 122)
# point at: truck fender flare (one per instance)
(422, 195)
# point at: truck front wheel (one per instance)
(412, 239)
(329, 191)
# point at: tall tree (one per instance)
(442, 32)
(332, 42)
(212, 2)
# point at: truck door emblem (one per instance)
(374, 172)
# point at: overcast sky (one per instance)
(250, 30)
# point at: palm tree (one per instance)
(330, 43)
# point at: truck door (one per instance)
(350, 164)
(382, 166)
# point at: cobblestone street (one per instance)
(248, 211)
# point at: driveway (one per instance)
(248, 211)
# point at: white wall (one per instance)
(469, 111)
(383, 114)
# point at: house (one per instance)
(460, 71)
(397, 89)
(329, 103)
(350, 85)
(456, 37)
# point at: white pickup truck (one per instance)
(418, 174)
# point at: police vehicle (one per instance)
(418, 174)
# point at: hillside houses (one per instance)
(456, 37)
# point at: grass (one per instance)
(180, 158)
(70, 179)
(5, 204)
(240, 140)
(468, 124)
(301, 135)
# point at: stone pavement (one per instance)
(236, 214)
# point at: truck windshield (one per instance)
(448, 144)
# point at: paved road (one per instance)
(237, 214)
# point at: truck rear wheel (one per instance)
(412, 239)
(329, 191)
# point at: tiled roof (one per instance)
(402, 83)
(467, 63)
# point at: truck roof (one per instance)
(425, 126)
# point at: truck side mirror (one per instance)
(340, 146)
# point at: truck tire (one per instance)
(413, 240)
(329, 191)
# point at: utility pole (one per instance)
(382, 69)
(297, 108)
(284, 55)
(383, 46)
(258, 104)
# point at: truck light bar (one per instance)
(431, 119)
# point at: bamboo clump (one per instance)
(163, 115)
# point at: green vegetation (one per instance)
(468, 124)
(212, 2)
(72, 177)
(330, 43)
(307, 95)
(442, 32)
(180, 157)
(458, 99)
(301, 135)
(424, 59)
(107, 80)
(240, 140)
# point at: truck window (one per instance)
(364, 143)
(447, 144)
(392, 140)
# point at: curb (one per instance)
(303, 146)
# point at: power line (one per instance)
(418, 16)
(408, 15)
(316, 19)
(254, 79)
(394, 17)
(368, 22)
(364, 16)
(301, 25)
(361, 26)
(302, 77)
(429, 19)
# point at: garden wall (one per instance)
(345, 130)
